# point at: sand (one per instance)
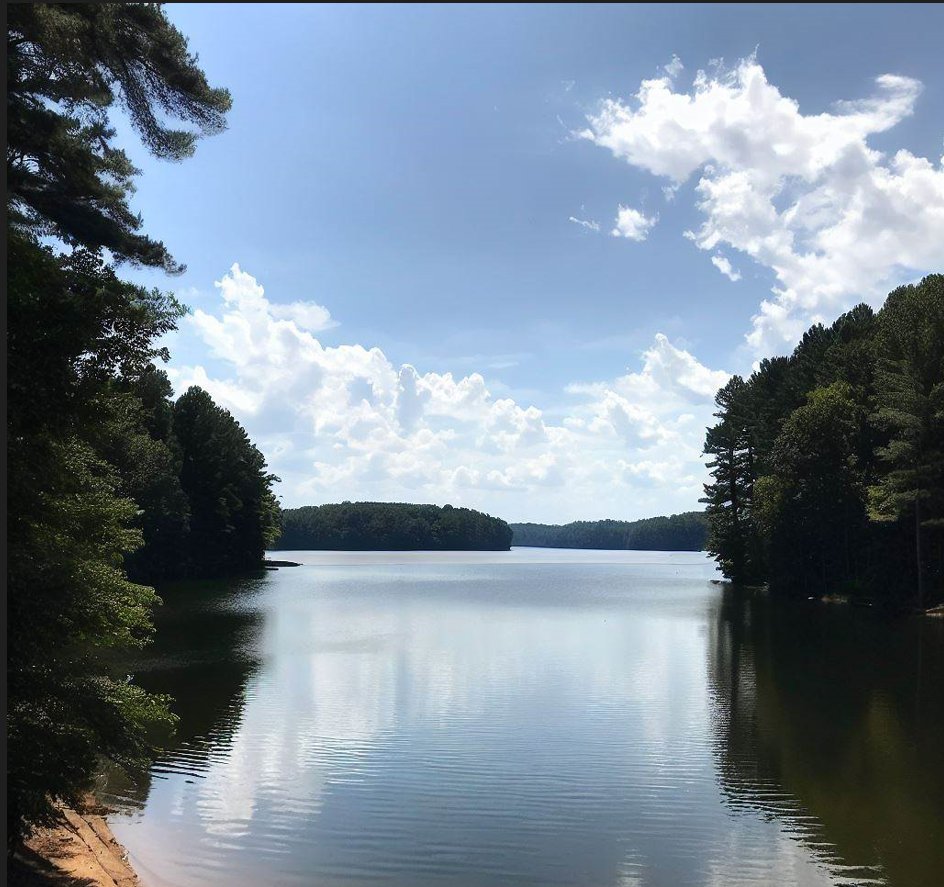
(80, 851)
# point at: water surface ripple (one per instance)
(535, 717)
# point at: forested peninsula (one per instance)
(678, 532)
(827, 466)
(391, 526)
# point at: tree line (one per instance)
(677, 532)
(827, 466)
(391, 526)
(111, 483)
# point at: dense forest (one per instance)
(110, 482)
(391, 526)
(678, 532)
(828, 465)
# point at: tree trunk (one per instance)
(918, 557)
(738, 553)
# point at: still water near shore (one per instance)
(535, 717)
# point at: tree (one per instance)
(811, 508)
(136, 436)
(80, 345)
(729, 498)
(909, 405)
(67, 66)
(677, 532)
(234, 516)
(853, 416)
(73, 326)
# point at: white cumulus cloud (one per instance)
(632, 224)
(802, 194)
(345, 422)
(307, 315)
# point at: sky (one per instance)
(504, 256)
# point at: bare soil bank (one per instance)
(80, 851)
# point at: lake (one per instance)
(535, 717)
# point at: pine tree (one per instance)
(729, 498)
(234, 515)
(78, 337)
(811, 507)
(909, 405)
(68, 64)
(73, 329)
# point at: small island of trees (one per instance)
(391, 526)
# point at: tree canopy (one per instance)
(828, 466)
(68, 64)
(105, 491)
(70, 525)
(234, 515)
(391, 526)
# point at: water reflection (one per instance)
(482, 724)
(206, 647)
(831, 720)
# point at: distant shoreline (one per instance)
(600, 547)
(687, 531)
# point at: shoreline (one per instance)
(78, 850)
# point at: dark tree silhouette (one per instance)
(828, 466)
(391, 526)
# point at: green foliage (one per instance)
(820, 460)
(909, 405)
(93, 465)
(391, 526)
(729, 499)
(69, 599)
(909, 400)
(67, 64)
(72, 325)
(811, 508)
(678, 532)
(234, 515)
(136, 435)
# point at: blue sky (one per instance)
(497, 243)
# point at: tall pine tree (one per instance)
(909, 406)
(78, 339)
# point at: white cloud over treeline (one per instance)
(803, 195)
(345, 422)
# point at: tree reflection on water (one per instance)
(832, 720)
(206, 648)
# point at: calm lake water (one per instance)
(535, 717)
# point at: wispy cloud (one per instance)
(589, 224)
(724, 266)
(674, 67)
